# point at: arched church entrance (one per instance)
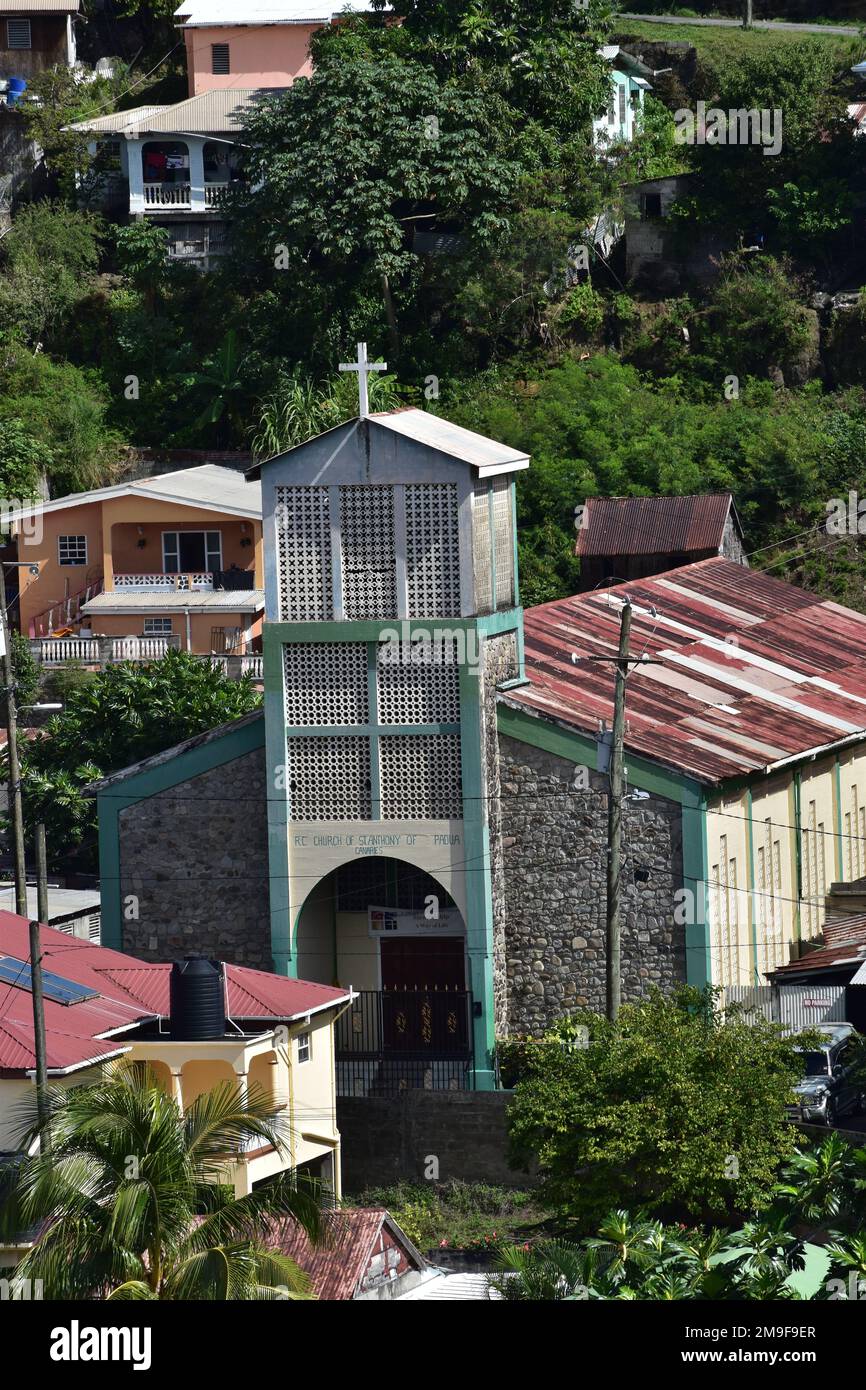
(392, 933)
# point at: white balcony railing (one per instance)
(56, 651)
(98, 651)
(164, 583)
(215, 194)
(167, 195)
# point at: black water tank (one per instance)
(196, 1000)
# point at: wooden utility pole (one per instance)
(36, 987)
(614, 822)
(12, 752)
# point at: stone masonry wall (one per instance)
(195, 857)
(555, 847)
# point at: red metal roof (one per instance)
(337, 1269)
(748, 671)
(654, 525)
(129, 992)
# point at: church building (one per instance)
(419, 813)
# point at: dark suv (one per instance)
(834, 1081)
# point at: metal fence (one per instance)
(399, 1040)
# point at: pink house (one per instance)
(249, 44)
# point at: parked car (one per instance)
(834, 1083)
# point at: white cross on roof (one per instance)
(362, 367)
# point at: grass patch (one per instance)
(457, 1215)
(727, 44)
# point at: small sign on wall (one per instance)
(401, 921)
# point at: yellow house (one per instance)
(745, 732)
(259, 1031)
(172, 560)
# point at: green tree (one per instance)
(163, 1227)
(66, 409)
(223, 381)
(124, 714)
(51, 260)
(23, 459)
(347, 163)
(25, 674)
(671, 1108)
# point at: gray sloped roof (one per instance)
(123, 601)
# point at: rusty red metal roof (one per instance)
(747, 671)
(357, 1234)
(129, 992)
(688, 526)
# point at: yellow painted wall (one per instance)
(763, 902)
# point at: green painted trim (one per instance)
(478, 879)
(798, 850)
(837, 792)
(579, 748)
(753, 924)
(372, 731)
(138, 786)
(491, 624)
(695, 877)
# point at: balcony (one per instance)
(193, 583)
(159, 196)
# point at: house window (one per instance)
(305, 1049)
(157, 627)
(622, 105)
(72, 550)
(191, 552)
(652, 205)
(219, 58)
(611, 107)
(18, 33)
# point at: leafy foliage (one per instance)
(125, 713)
(654, 1108)
(130, 1200)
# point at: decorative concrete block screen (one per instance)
(304, 554)
(329, 778)
(423, 689)
(420, 777)
(369, 552)
(432, 550)
(325, 684)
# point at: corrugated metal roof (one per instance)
(230, 12)
(202, 115)
(40, 7)
(62, 902)
(750, 671)
(654, 525)
(118, 121)
(336, 1269)
(453, 1288)
(121, 602)
(483, 453)
(129, 992)
(208, 486)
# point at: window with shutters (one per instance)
(18, 33)
(220, 59)
(622, 104)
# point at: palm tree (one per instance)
(131, 1199)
